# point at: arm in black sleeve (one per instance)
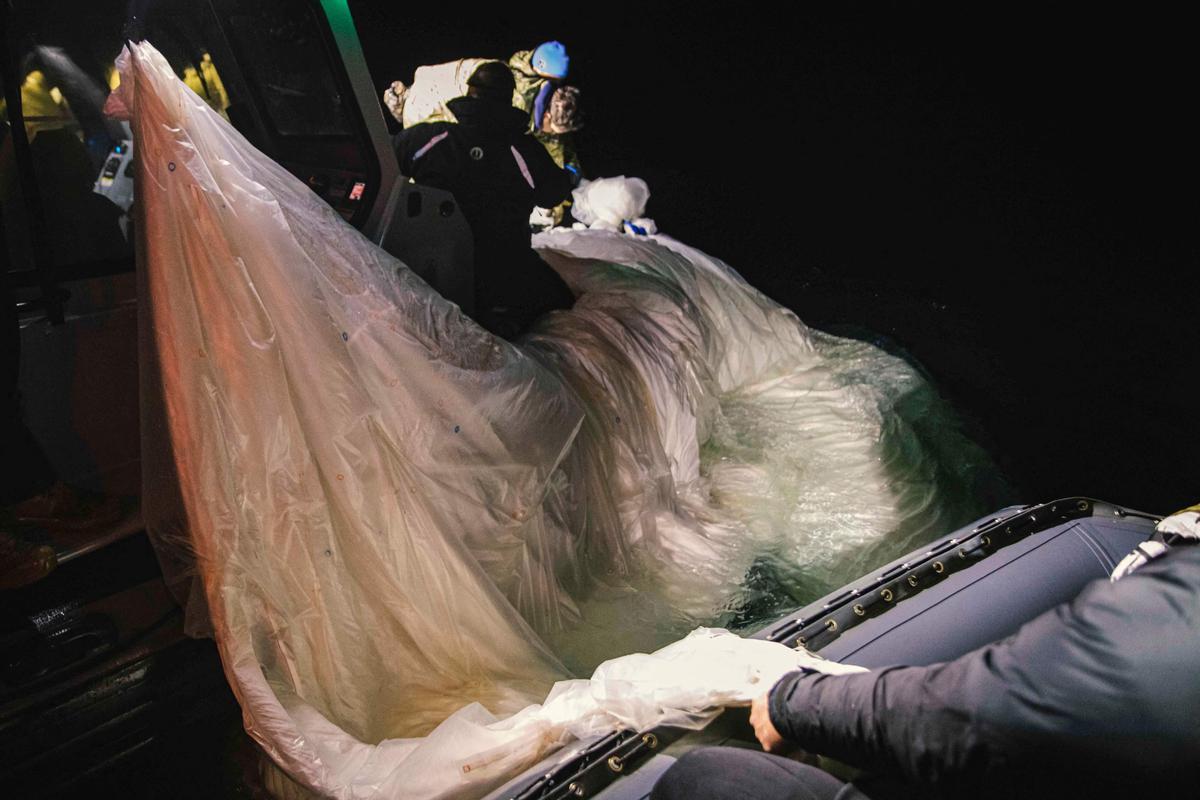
(408, 142)
(551, 183)
(402, 143)
(1103, 687)
(892, 721)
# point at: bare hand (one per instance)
(764, 729)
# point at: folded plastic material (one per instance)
(383, 513)
(608, 203)
(684, 685)
(433, 86)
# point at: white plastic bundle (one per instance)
(433, 86)
(609, 203)
(386, 512)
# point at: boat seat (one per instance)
(425, 228)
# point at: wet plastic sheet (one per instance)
(386, 512)
(777, 450)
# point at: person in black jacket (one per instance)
(1099, 697)
(498, 174)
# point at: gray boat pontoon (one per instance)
(973, 587)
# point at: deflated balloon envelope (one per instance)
(402, 531)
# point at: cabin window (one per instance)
(284, 57)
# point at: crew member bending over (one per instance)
(498, 174)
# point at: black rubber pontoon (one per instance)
(978, 585)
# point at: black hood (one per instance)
(472, 111)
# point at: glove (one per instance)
(393, 99)
(541, 219)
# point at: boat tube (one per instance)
(975, 586)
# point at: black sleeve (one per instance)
(551, 183)
(1107, 680)
(409, 141)
(892, 722)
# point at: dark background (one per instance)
(1005, 194)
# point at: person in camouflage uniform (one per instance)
(553, 108)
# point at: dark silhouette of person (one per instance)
(498, 173)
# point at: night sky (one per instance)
(1007, 196)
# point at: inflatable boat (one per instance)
(977, 585)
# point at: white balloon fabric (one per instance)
(608, 203)
(384, 514)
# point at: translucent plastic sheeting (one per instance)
(385, 512)
(779, 456)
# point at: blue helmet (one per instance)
(550, 60)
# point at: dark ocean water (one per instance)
(1006, 194)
